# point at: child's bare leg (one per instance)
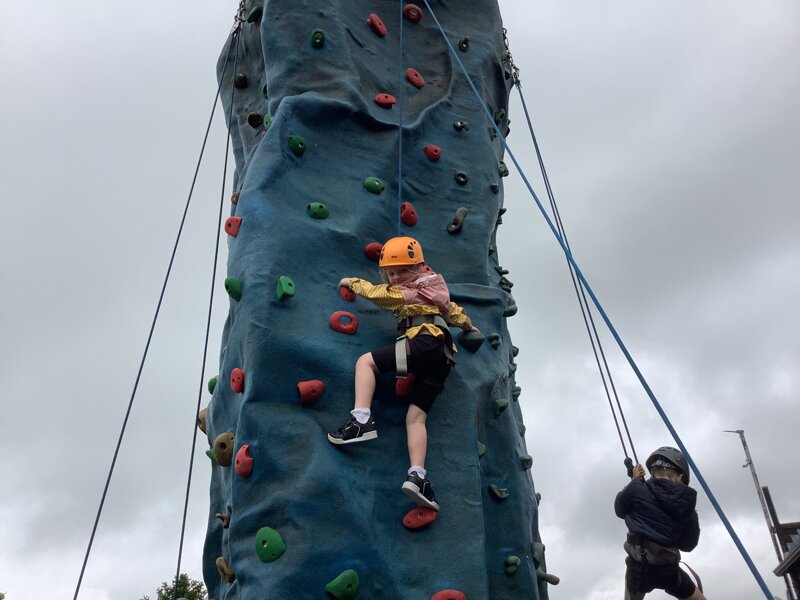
(365, 380)
(417, 435)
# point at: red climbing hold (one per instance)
(377, 25)
(232, 226)
(433, 152)
(347, 294)
(419, 517)
(310, 391)
(237, 381)
(385, 100)
(449, 595)
(243, 465)
(412, 12)
(407, 214)
(373, 251)
(415, 78)
(403, 386)
(343, 322)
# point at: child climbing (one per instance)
(419, 298)
(662, 520)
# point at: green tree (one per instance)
(191, 589)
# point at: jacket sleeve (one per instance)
(622, 502)
(458, 316)
(382, 295)
(691, 534)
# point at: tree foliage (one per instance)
(191, 589)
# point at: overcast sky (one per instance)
(671, 133)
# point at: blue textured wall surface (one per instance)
(342, 508)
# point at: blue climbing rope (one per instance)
(400, 102)
(607, 320)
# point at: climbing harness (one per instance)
(699, 583)
(237, 25)
(585, 284)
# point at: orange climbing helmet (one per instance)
(400, 251)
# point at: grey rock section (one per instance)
(337, 508)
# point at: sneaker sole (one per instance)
(370, 435)
(412, 491)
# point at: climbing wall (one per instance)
(318, 95)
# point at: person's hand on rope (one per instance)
(638, 471)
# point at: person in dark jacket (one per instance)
(662, 520)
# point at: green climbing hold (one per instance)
(481, 450)
(471, 340)
(265, 90)
(255, 14)
(344, 587)
(492, 133)
(512, 368)
(317, 39)
(515, 392)
(510, 310)
(285, 287)
(514, 351)
(508, 71)
(501, 270)
(499, 116)
(494, 340)
(269, 545)
(521, 428)
(526, 461)
(498, 492)
(234, 288)
(317, 210)
(210, 454)
(212, 383)
(267, 121)
(374, 185)
(297, 145)
(492, 249)
(512, 564)
(500, 404)
(502, 169)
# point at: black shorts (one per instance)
(426, 360)
(642, 578)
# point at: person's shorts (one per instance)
(426, 360)
(643, 578)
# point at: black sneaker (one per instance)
(420, 491)
(353, 431)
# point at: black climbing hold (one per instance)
(492, 249)
(374, 185)
(508, 72)
(458, 221)
(255, 120)
(460, 125)
(265, 91)
(499, 116)
(255, 13)
(471, 340)
(538, 498)
(505, 284)
(512, 368)
(498, 492)
(526, 462)
(297, 145)
(494, 340)
(495, 188)
(317, 210)
(463, 45)
(502, 169)
(492, 133)
(240, 81)
(510, 310)
(234, 288)
(499, 405)
(461, 178)
(515, 392)
(521, 428)
(501, 270)
(514, 351)
(317, 39)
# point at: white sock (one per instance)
(418, 470)
(361, 414)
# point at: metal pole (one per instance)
(772, 533)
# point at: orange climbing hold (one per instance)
(415, 78)
(412, 12)
(347, 294)
(408, 214)
(385, 100)
(237, 381)
(377, 25)
(243, 465)
(343, 322)
(404, 385)
(373, 251)
(419, 517)
(433, 152)
(310, 391)
(232, 226)
(449, 595)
